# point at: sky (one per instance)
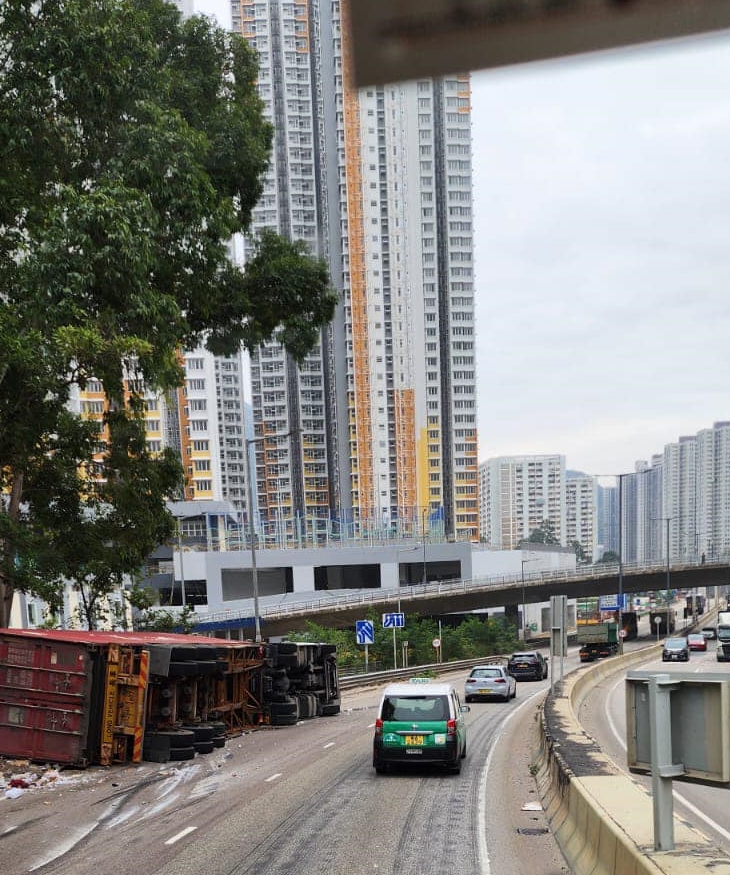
(602, 251)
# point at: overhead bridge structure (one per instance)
(344, 608)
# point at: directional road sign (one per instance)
(365, 632)
(394, 621)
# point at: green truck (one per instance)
(597, 640)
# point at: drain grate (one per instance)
(532, 831)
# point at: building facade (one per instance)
(520, 493)
(376, 429)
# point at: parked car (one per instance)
(490, 682)
(675, 649)
(710, 632)
(696, 641)
(529, 664)
(419, 722)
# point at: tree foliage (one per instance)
(133, 146)
(610, 557)
(544, 535)
(473, 638)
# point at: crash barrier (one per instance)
(602, 818)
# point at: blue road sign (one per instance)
(365, 632)
(394, 621)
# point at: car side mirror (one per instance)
(464, 709)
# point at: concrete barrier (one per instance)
(601, 817)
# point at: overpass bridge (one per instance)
(344, 608)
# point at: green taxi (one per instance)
(420, 722)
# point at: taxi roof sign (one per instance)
(396, 40)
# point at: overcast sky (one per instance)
(602, 251)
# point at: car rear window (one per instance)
(523, 656)
(415, 708)
(486, 673)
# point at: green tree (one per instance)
(580, 553)
(132, 148)
(610, 557)
(544, 535)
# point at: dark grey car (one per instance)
(528, 665)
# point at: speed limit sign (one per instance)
(436, 643)
(622, 633)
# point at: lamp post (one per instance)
(667, 520)
(252, 529)
(423, 532)
(182, 573)
(524, 606)
(620, 478)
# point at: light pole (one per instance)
(524, 607)
(252, 529)
(423, 532)
(667, 520)
(182, 573)
(620, 611)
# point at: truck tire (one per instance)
(330, 709)
(219, 741)
(284, 720)
(167, 740)
(182, 753)
(284, 709)
(204, 746)
(203, 731)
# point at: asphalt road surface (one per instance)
(302, 799)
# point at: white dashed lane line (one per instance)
(330, 744)
(273, 777)
(181, 835)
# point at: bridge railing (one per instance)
(345, 601)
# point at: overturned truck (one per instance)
(81, 698)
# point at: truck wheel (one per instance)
(330, 709)
(284, 719)
(204, 746)
(182, 753)
(203, 731)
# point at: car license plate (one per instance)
(486, 692)
(414, 740)
(522, 665)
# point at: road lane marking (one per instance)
(482, 848)
(273, 777)
(329, 744)
(181, 835)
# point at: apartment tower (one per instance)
(376, 429)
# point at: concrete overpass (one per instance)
(342, 609)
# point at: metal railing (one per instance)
(416, 592)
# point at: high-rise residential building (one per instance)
(520, 493)
(376, 428)
(581, 513)
(607, 517)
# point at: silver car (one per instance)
(490, 682)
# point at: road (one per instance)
(603, 716)
(302, 799)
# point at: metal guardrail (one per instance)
(353, 681)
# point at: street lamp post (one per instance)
(252, 530)
(423, 532)
(524, 605)
(620, 611)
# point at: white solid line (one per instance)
(329, 744)
(181, 835)
(273, 777)
(482, 849)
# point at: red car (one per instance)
(697, 642)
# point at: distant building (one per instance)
(517, 494)
(581, 513)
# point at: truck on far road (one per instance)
(597, 640)
(630, 625)
(722, 651)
